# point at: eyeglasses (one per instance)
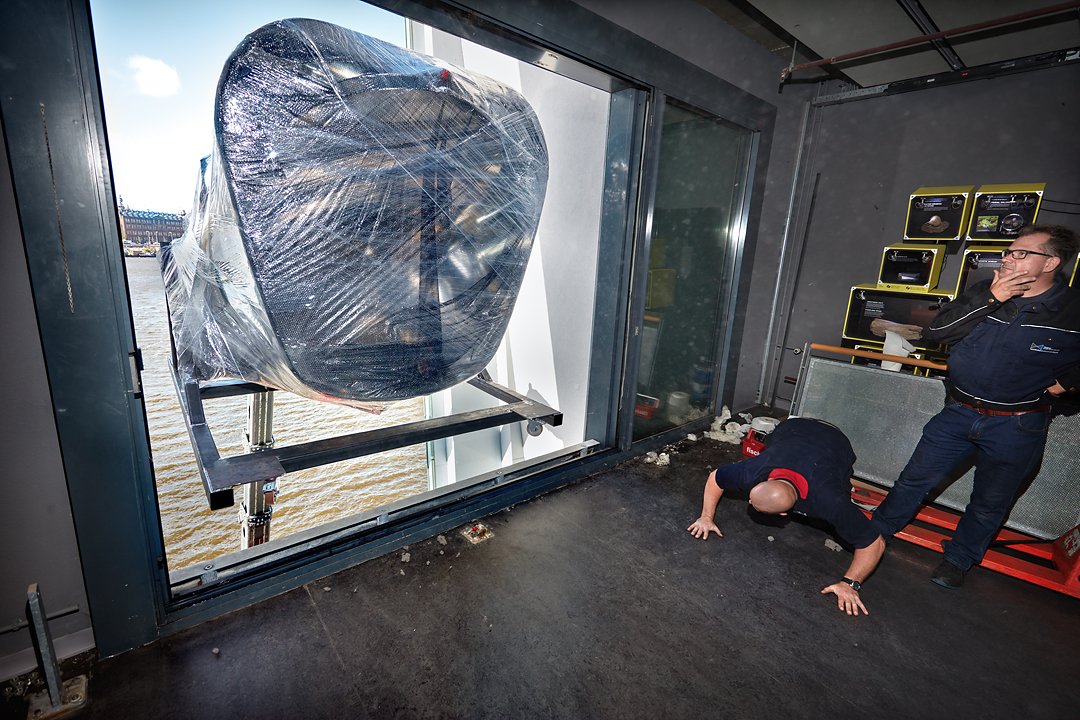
(1021, 254)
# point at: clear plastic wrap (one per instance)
(361, 228)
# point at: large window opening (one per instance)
(159, 95)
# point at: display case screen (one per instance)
(900, 266)
(872, 312)
(935, 217)
(1000, 216)
(978, 266)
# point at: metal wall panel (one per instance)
(883, 414)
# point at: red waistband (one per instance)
(989, 411)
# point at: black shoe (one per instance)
(948, 575)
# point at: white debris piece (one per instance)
(771, 538)
(663, 459)
(731, 432)
(441, 539)
(834, 546)
(691, 437)
(651, 457)
(406, 557)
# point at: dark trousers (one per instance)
(1007, 451)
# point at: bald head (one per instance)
(773, 496)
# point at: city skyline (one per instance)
(159, 66)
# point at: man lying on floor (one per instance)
(805, 468)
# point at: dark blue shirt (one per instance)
(822, 454)
(1007, 353)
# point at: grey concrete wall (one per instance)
(873, 153)
(37, 535)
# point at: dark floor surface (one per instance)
(594, 602)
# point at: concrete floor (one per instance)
(594, 602)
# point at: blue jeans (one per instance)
(1007, 450)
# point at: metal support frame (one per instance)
(258, 503)
(60, 699)
(1053, 564)
(220, 475)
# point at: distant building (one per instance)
(148, 228)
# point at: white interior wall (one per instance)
(545, 353)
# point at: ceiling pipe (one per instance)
(963, 29)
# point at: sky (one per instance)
(159, 65)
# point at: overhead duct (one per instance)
(362, 226)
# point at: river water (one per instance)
(193, 533)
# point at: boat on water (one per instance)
(140, 250)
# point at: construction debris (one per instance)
(725, 431)
(655, 458)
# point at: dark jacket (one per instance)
(822, 454)
(1005, 357)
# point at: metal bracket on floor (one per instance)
(62, 698)
(220, 475)
(1053, 564)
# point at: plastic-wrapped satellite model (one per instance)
(361, 230)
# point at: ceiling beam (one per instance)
(924, 22)
(962, 30)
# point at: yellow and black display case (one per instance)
(979, 263)
(911, 267)
(872, 310)
(1001, 210)
(938, 214)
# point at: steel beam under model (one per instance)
(220, 475)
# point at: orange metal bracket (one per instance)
(1054, 564)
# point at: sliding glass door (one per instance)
(696, 231)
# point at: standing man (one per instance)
(1015, 346)
(805, 468)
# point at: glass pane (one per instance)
(703, 163)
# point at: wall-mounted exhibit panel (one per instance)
(873, 311)
(1002, 210)
(911, 267)
(938, 213)
(978, 263)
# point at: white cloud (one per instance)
(154, 77)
